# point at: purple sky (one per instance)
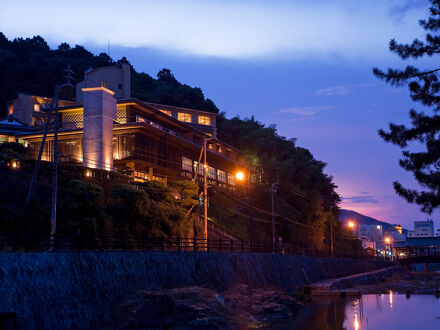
(302, 65)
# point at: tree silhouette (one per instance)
(424, 87)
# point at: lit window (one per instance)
(186, 164)
(140, 119)
(204, 120)
(211, 172)
(221, 176)
(11, 110)
(36, 107)
(200, 171)
(167, 112)
(231, 179)
(185, 117)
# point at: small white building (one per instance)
(422, 229)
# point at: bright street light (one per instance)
(351, 224)
(239, 176)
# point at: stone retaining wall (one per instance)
(78, 290)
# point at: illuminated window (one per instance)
(36, 107)
(211, 172)
(231, 179)
(185, 117)
(200, 171)
(140, 119)
(186, 164)
(221, 176)
(11, 110)
(204, 120)
(167, 112)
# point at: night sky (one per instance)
(305, 66)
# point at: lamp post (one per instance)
(239, 176)
(352, 225)
(388, 241)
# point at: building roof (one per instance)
(422, 241)
(13, 126)
(164, 106)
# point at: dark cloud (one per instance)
(364, 198)
(400, 9)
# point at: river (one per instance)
(371, 311)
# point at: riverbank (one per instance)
(404, 282)
(68, 289)
(239, 307)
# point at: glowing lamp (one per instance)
(387, 240)
(239, 176)
(351, 224)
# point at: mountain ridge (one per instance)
(346, 215)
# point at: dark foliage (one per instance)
(305, 193)
(30, 66)
(424, 87)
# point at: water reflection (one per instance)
(387, 311)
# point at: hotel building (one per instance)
(107, 129)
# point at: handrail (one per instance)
(72, 243)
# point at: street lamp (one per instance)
(352, 225)
(239, 176)
(388, 241)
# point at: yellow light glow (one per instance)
(387, 240)
(102, 88)
(14, 164)
(88, 174)
(239, 176)
(351, 224)
(356, 324)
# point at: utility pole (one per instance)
(53, 214)
(53, 105)
(205, 191)
(273, 191)
(40, 153)
(331, 240)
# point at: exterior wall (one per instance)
(422, 229)
(111, 77)
(78, 290)
(22, 109)
(99, 113)
(31, 110)
(195, 114)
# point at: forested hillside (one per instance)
(29, 65)
(306, 201)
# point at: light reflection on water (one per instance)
(376, 312)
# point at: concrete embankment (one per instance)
(78, 290)
(341, 286)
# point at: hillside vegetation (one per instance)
(306, 201)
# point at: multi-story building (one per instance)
(422, 229)
(107, 129)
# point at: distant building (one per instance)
(422, 229)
